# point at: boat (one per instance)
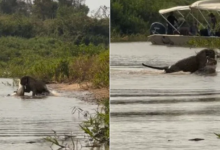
(180, 37)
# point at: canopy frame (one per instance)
(178, 8)
(208, 5)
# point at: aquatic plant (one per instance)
(218, 135)
(97, 126)
(64, 142)
(15, 83)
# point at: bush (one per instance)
(54, 60)
(15, 25)
(94, 69)
(100, 70)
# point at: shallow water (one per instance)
(156, 111)
(31, 120)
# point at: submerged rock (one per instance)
(196, 139)
(31, 142)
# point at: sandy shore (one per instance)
(98, 94)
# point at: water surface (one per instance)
(32, 119)
(156, 111)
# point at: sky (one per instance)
(95, 4)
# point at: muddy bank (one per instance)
(93, 95)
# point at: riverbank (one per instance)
(98, 94)
(130, 38)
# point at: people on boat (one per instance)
(183, 27)
(194, 28)
(172, 19)
(212, 20)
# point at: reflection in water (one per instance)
(25, 121)
(156, 111)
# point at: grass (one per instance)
(129, 38)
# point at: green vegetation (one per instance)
(218, 135)
(129, 38)
(55, 41)
(130, 19)
(54, 60)
(205, 42)
(66, 20)
(96, 128)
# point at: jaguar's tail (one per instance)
(159, 68)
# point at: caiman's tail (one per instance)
(159, 68)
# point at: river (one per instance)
(151, 110)
(25, 122)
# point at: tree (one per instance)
(8, 6)
(45, 9)
(135, 17)
(71, 2)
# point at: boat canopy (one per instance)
(206, 5)
(177, 8)
(202, 4)
(199, 5)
